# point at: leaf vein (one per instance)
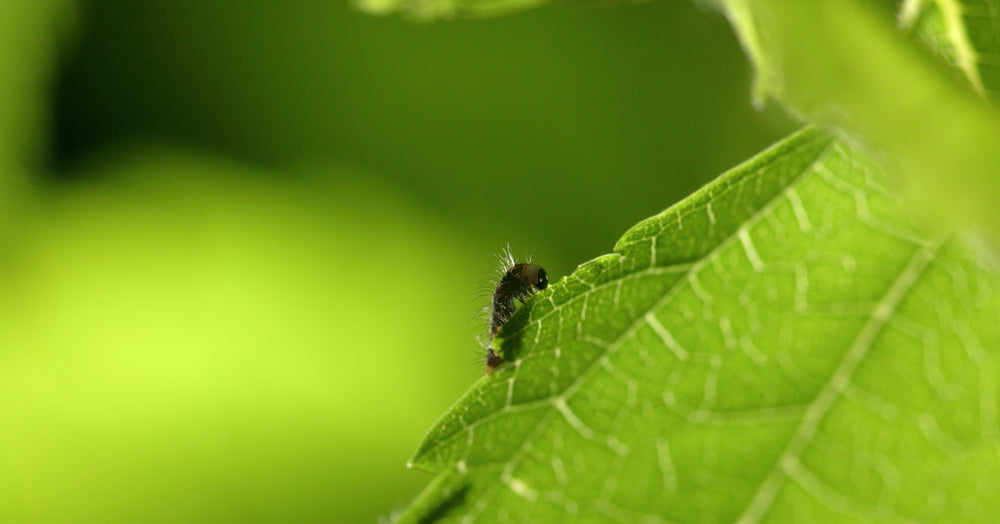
(839, 381)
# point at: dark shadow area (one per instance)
(511, 347)
(453, 501)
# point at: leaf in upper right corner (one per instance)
(844, 67)
(964, 33)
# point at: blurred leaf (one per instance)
(785, 345)
(430, 9)
(964, 33)
(878, 86)
(29, 33)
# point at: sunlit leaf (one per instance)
(785, 345)
(963, 32)
(878, 87)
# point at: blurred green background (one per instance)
(240, 241)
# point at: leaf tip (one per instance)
(419, 458)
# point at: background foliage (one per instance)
(239, 245)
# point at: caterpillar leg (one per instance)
(493, 360)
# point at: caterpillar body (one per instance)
(517, 282)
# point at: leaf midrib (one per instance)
(817, 410)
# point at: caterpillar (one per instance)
(517, 282)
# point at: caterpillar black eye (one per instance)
(543, 279)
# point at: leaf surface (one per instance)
(963, 33)
(876, 86)
(784, 345)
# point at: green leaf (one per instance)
(785, 345)
(962, 32)
(878, 87)
(432, 9)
